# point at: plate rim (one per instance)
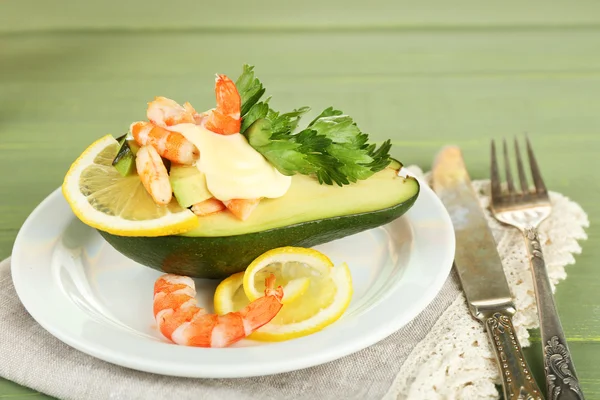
(171, 368)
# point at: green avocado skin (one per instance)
(220, 257)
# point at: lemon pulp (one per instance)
(103, 199)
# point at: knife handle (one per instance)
(561, 380)
(517, 381)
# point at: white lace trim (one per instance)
(455, 361)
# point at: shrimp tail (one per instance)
(270, 289)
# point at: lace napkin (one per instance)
(442, 354)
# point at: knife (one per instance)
(481, 273)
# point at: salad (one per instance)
(239, 191)
(243, 150)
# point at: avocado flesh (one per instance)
(308, 215)
(189, 185)
(307, 200)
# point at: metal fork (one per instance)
(525, 209)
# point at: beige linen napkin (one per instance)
(432, 357)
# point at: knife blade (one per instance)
(476, 257)
(481, 273)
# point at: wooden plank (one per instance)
(275, 15)
(59, 92)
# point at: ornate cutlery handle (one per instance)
(561, 380)
(517, 381)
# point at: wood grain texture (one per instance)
(425, 77)
(270, 15)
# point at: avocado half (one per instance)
(307, 215)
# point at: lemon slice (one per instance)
(291, 322)
(321, 304)
(103, 199)
(288, 264)
(230, 296)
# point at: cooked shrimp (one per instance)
(153, 174)
(165, 112)
(225, 119)
(241, 208)
(198, 117)
(170, 145)
(181, 320)
(208, 207)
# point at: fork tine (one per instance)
(522, 177)
(509, 180)
(495, 175)
(535, 170)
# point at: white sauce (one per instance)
(233, 169)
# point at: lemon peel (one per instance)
(115, 204)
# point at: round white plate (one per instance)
(94, 299)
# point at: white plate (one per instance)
(94, 299)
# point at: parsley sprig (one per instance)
(331, 146)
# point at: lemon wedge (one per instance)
(103, 199)
(306, 311)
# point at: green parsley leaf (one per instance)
(286, 123)
(331, 147)
(328, 112)
(257, 111)
(249, 88)
(283, 153)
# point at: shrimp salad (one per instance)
(243, 150)
(177, 135)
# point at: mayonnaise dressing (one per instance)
(233, 168)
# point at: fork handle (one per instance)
(561, 380)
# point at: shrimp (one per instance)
(208, 207)
(170, 145)
(225, 119)
(241, 208)
(181, 320)
(165, 112)
(153, 174)
(198, 117)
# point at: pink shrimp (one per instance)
(225, 119)
(183, 322)
(165, 112)
(208, 207)
(153, 174)
(241, 208)
(170, 145)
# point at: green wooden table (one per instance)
(425, 75)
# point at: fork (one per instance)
(525, 209)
